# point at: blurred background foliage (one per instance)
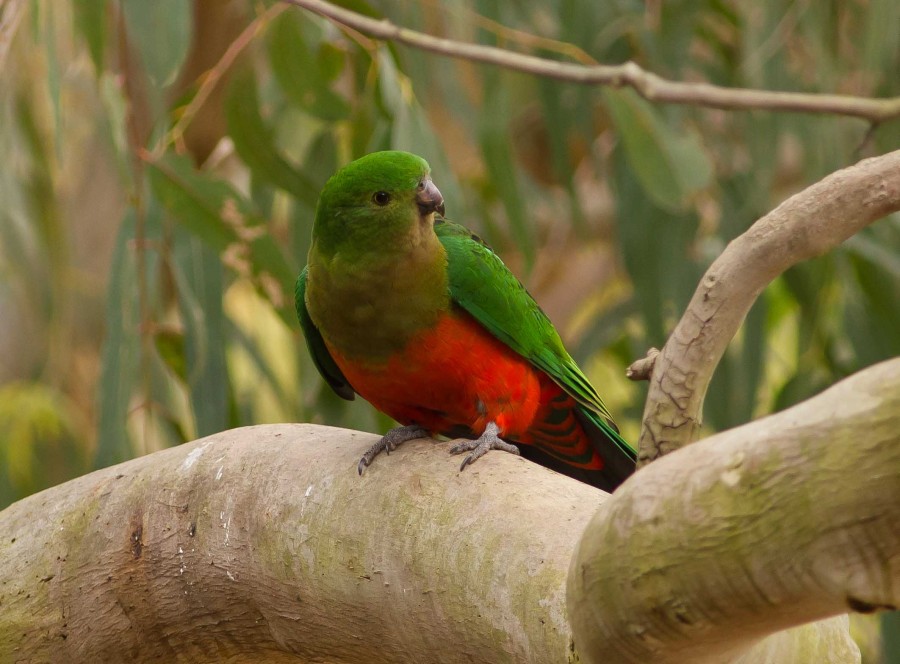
(162, 161)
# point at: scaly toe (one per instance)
(485, 443)
(390, 442)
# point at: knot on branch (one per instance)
(642, 369)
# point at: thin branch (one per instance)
(806, 225)
(648, 85)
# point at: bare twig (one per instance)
(642, 369)
(806, 225)
(648, 85)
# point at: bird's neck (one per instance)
(369, 307)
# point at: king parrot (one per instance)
(423, 320)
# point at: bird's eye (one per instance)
(381, 197)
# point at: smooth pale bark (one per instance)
(793, 518)
(263, 544)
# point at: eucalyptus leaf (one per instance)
(196, 201)
(161, 31)
(254, 141)
(121, 348)
(91, 22)
(200, 280)
(306, 71)
(671, 165)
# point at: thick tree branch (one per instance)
(263, 544)
(788, 519)
(648, 85)
(806, 225)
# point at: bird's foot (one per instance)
(389, 442)
(489, 440)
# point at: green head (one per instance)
(382, 200)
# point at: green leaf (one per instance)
(502, 172)
(883, 255)
(121, 347)
(115, 122)
(731, 397)
(169, 345)
(801, 386)
(213, 211)
(161, 30)
(54, 78)
(890, 636)
(411, 131)
(258, 361)
(305, 71)
(274, 278)
(91, 22)
(670, 165)
(36, 443)
(199, 278)
(656, 249)
(881, 40)
(254, 142)
(871, 292)
(603, 330)
(197, 202)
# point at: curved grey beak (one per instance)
(429, 199)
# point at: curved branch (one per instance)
(806, 225)
(647, 84)
(788, 519)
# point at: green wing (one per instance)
(482, 285)
(317, 349)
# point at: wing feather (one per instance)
(316, 344)
(484, 286)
